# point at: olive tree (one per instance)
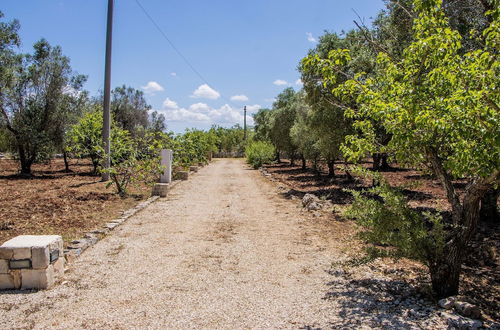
(33, 103)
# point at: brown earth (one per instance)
(481, 270)
(55, 202)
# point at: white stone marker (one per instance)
(161, 188)
(31, 262)
(166, 161)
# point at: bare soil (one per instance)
(481, 271)
(55, 202)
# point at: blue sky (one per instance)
(248, 51)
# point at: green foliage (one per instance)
(263, 124)
(441, 107)
(259, 153)
(193, 147)
(283, 118)
(301, 132)
(134, 160)
(229, 139)
(130, 108)
(34, 101)
(387, 220)
(435, 102)
(85, 139)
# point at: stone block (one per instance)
(183, 175)
(7, 282)
(6, 253)
(4, 266)
(160, 189)
(32, 254)
(37, 278)
(22, 253)
(193, 168)
(10, 281)
(111, 225)
(40, 257)
(59, 267)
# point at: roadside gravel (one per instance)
(223, 250)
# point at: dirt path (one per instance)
(224, 250)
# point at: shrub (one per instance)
(395, 229)
(259, 153)
(133, 161)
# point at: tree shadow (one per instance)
(413, 195)
(375, 302)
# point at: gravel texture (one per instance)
(223, 250)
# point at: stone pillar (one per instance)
(166, 162)
(31, 262)
(161, 188)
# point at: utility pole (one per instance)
(245, 123)
(106, 122)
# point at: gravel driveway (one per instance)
(223, 250)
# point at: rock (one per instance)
(37, 278)
(4, 266)
(466, 309)
(40, 257)
(461, 323)
(110, 225)
(311, 202)
(447, 303)
(314, 206)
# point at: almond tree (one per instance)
(442, 107)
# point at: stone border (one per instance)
(77, 247)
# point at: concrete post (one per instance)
(166, 162)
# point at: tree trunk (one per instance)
(25, 162)
(292, 159)
(304, 165)
(95, 164)
(376, 161)
(66, 163)
(385, 165)
(278, 158)
(331, 168)
(489, 206)
(445, 272)
(349, 176)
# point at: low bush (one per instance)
(392, 227)
(259, 153)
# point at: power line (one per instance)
(171, 43)
(178, 51)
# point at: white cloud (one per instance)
(310, 37)
(203, 113)
(299, 82)
(205, 91)
(152, 87)
(173, 74)
(168, 104)
(186, 115)
(199, 107)
(241, 98)
(270, 100)
(280, 82)
(253, 108)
